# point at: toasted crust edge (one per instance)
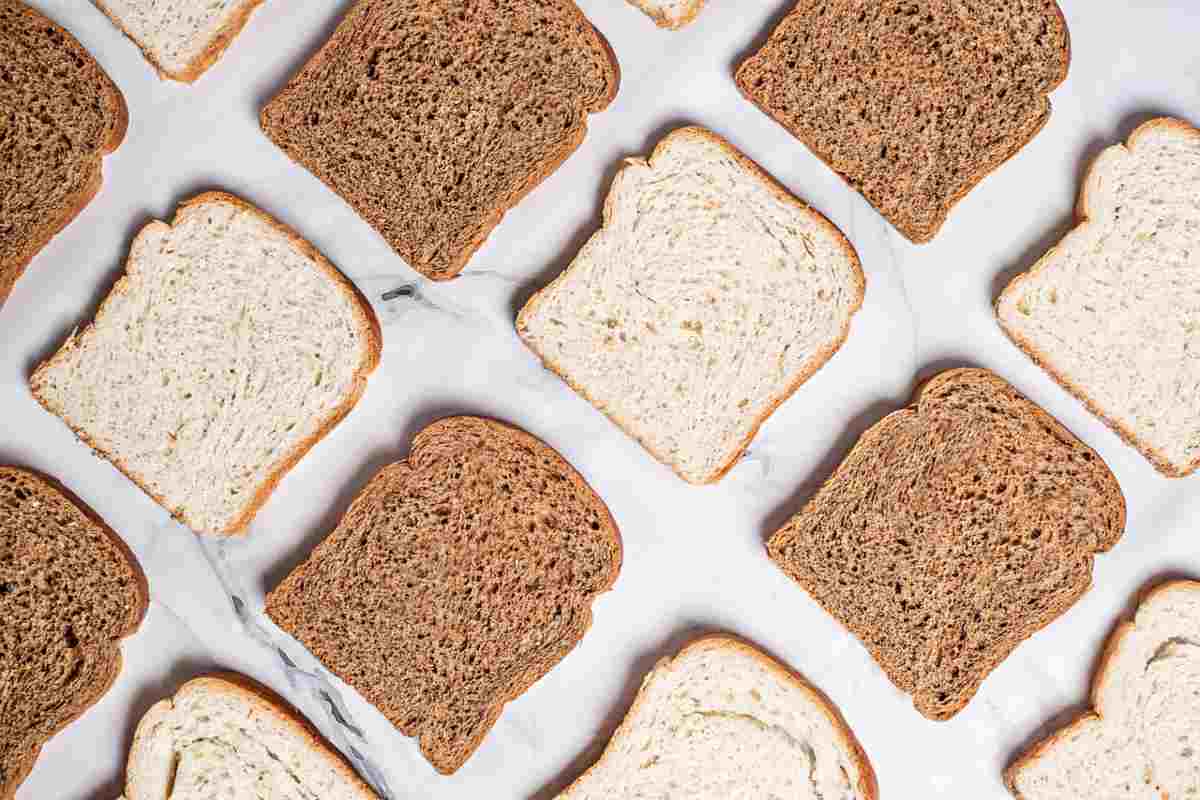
(212, 51)
(913, 234)
(535, 672)
(1083, 219)
(820, 358)
(868, 785)
(1124, 627)
(369, 329)
(661, 19)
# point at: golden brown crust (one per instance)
(368, 326)
(1083, 219)
(820, 359)
(661, 19)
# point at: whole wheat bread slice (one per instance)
(456, 579)
(708, 296)
(226, 351)
(953, 531)
(224, 735)
(1111, 311)
(181, 38)
(61, 115)
(432, 118)
(672, 14)
(912, 102)
(724, 721)
(1141, 740)
(70, 590)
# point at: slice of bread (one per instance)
(456, 579)
(62, 116)
(723, 720)
(1111, 311)
(181, 38)
(228, 349)
(912, 102)
(432, 118)
(1142, 739)
(70, 590)
(672, 14)
(708, 296)
(953, 531)
(223, 735)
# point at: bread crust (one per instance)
(263, 700)
(661, 19)
(1083, 219)
(208, 56)
(921, 235)
(868, 786)
(820, 358)
(368, 327)
(1111, 647)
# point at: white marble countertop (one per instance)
(694, 557)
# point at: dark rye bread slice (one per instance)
(912, 102)
(434, 117)
(70, 590)
(60, 114)
(953, 531)
(456, 580)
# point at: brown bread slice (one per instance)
(456, 579)
(434, 117)
(61, 116)
(953, 531)
(912, 102)
(70, 590)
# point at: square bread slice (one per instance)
(432, 118)
(457, 579)
(1141, 740)
(181, 38)
(672, 14)
(1113, 311)
(70, 591)
(723, 720)
(954, 530)
(912, 102)
(708, 297)
(224, 735)
(226, 351)
(63, 114)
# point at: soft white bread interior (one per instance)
(670, 13)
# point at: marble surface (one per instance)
(694, 557)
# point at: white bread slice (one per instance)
(670, 13)
(225, 736)
(227, 350)
(709, 295)
(181, 38)
(1113, 311)
(724, 721)
(1143, 738)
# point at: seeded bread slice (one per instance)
(61, 115)
(456, 579)
(912, 102)
(70, 590)
(724, 721)
(432, 118)
(953, 531)
(670, 13)
(1142, 738)
(1111, 311)
(707, 298)
(181, 38)
(228, 349)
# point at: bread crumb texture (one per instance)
(670, 13)
(1112, 311)
(69, 592)
(434, 117)
(913, 102)
(456, 579)
(1142, 741)
(953, 531)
